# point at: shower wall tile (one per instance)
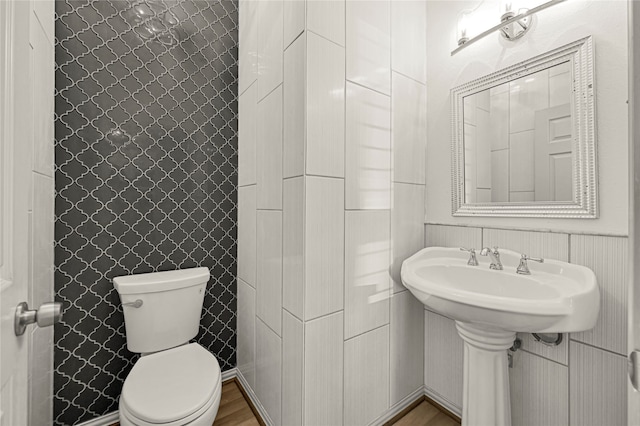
(247, 119)
(323, 370)
(408, 129)
(146, 179)
(247, 234)
(366, 281)
(269, 282)
(409, 39)
(294, 20)
(270, 45)
(324, 246)
(598, 387)
(248, 44)
(294, 105)
(292, 369)
(407, 218)
(539, 391)
(607, 257)
(325, 107)
(453, 236)
(269, 371)
(368, 149)
(369, 44)
(443, 356)
(246, 332)
(293, 246)
(366, 376)
(406, 346)
(269, 152)
(327, 19)
(536, 244)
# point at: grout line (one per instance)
(597, 347)
(365, 332)
(388, 95)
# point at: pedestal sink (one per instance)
(490, 306)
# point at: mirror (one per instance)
(524, 139)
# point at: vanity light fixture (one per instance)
(512, 25)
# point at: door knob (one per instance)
(48, 314)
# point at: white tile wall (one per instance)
(366, 282)
(294, 17)
(292, 369)
(270, 45)
(607, 258)
(368, 149)
(406, 346)
(536, 244)
(443, 358)
(247, 234)
(500, 176)
(539, 391)
(407, 217)
(521, 158)
(366, 376)
(269, 285)
(526, 96)
(247, 117)
(409, 38)
(324, 246)
(323, 371)
(369, 44)
(246, 349)
(269, 151)
(558, 353)
(269, 371)
(293, 246)
(248, 43)
(294, 102)
(325, 109)
(409, 128)
(327, 18)
(598, 387)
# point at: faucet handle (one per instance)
(473, 261)
(523, 267)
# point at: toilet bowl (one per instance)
(174, 383)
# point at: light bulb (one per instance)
(507, 9)
(463, 28)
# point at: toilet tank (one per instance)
(168, 309)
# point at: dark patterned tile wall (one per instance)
(146, 177)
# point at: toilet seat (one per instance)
(172, 387)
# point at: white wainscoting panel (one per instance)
(323, 370)
(407, 346)
(269, 151)
(453, 236)
(269, 286)
(292, 369)
(294, 17)
(294, 87)
(293, 246)
(247, 234)
(366, 376)
(407, 217)
(409, 39)
(269, 370)
(598, 387)
(326, 18)
(536, 244)
(558, 353)
(246, 349)
(247, 118)
(539, 391)
(443, 358)
(607, 257)
(270, 45)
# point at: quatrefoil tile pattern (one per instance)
(146, 177)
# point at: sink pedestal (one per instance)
(486, 375)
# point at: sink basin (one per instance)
(490, 306)
(557, 296)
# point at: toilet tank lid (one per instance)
(160, 281)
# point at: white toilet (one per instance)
(174, 382)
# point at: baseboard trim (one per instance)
(254, 402)
(399, 409)
(104, 420)
(229, 374)
(443, 403)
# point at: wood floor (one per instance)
(236, 410)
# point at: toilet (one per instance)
(174, 382)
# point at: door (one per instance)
(26, 207)
(14, 204)
(553, 158)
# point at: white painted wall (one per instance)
(606, 21)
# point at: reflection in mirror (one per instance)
(518, 140)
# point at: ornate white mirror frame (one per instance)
(585, 170)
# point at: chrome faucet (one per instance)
(523, 267)
(495, 257)
(472, 256)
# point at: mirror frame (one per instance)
(585, 171)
